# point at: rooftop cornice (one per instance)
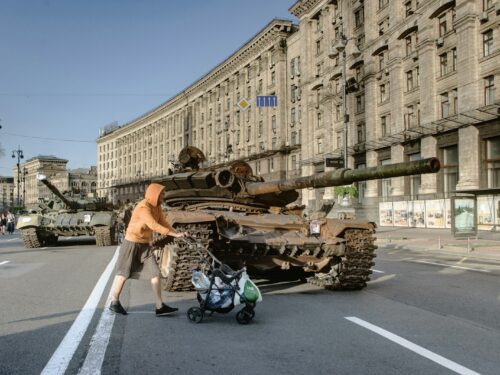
(301, 7)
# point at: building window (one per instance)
(318, 47)
(443, 63)
(384, 92)
(408, 9)
(292, 117)
(487, 43)
(340, 144)
(409, 116)
(319, 122)
(338, 112)
(415, 180)
(273, 77)
(487, 4)
(359, 17)
(261, 128)
(384, 126)
(409, 45)
(493, 162)
(360, 103)
(361, 130)
(445, 105)
(293, 138)
(293, 93)
(320, 145)
(386, 182)
(382, 3)
(489, 90)
(409, 80)
(454, 59)
(443, 27)
(273, 124)
(450, 168)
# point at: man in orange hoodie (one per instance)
(135, 252)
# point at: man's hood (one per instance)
(153, 193)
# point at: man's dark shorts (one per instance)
(135, 259)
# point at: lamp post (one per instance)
(23, 178)
(340, 47)
(20, 156)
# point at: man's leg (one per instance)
(119, 283)
(156, 286)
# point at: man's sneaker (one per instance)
(117, 308)
(164, 309)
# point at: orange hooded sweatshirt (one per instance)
(148, 217)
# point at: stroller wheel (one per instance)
(245, 316)
(195, 314)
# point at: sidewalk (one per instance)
(486, 244)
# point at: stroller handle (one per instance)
(191, 241)
(224, 278)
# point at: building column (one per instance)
(429, 181)
(397, 183)
(308, 195)
(468, 158)
(372, 185)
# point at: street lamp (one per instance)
(23, 178)
(20, 156)
(339, 47)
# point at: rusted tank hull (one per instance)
(268, 242)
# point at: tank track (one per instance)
(31, 238)
(182, 260)
(104, 236)
(354, 268)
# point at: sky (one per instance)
(69, 68)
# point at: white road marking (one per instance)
(4, 262)
(61, 358)
(450, 266)
(377, 271)
(100, 340)
(12, 239)
(453, 366)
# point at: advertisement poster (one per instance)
(485, 212)
(447, 204)
(464, 216)
(385, 214)
(400, 214)
(416, 214)
(435, 213)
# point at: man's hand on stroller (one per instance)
(181, 234)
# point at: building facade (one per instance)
(77, 181)
(6, 193)
(419, 79)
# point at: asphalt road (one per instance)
(421, 314)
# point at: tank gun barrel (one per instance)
(341, 177)
(55, 190)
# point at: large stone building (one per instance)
(6, 193)
(421, 76)
(82, 180)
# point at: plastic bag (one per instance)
(247, 291)
(200, 280)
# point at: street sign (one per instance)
(334, 162)
(267, 101)
(243, 104)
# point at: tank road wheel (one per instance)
(177, 260)
(31, 238)
(105, 236)
(352, 271)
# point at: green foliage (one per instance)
(348, 190)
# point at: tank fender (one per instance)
(101, 218)
(29, 221)
(188, 217)
(335, 227)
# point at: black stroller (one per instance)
(220, 289)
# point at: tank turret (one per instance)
(237, 183)
(69, 204)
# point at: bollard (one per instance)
(439, 243)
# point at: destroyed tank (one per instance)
(244, 220)
(67, 216)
